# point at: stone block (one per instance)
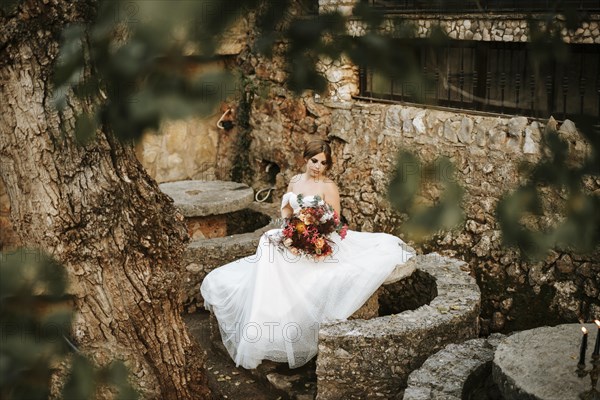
(208, 227)
(448, 373)
(370, 309)
(540, 363)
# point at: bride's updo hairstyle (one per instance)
(317, 146)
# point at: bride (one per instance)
(270, 305)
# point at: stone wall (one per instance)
(182, 150)
(486, 150)
(493, 26)
(459, 371)
(484, 27)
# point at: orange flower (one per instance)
(319, 243)
(307, 218)
(300, 227)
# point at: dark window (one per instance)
(495, 77)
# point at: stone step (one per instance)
(204, 198)
(225, 380)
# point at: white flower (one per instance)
(326, 217)
(287, 242)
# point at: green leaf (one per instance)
(81, 383)
(85, 128)
(70, 61)
(118, 375)
(405, 182)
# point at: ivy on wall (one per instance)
(242, 170)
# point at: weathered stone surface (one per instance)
(451, 130)
(566, 300)
(447, 374)
(281, 382)
(540, 364)
(207, 227)
(201, 198)
(530, 146)
(516, 126)
(380, 353)
(368, 310)
(465, 131)
(183, 150)
(341, 125)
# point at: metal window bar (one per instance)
(497, 77)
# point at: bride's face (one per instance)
(316, 165)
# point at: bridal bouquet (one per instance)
(307, 232)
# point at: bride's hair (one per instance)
(317, 146)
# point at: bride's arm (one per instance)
(287, 211)
(332, 196)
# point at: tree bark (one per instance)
(96, 210)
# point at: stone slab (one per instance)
(202, 198)
(446, 374)
(541, 363)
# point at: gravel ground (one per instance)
(230, 382)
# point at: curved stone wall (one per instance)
(361, 359)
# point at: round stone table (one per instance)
(541, 363)
(204, 204)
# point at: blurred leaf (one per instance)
(131, 58)
(9, 6)
(81, 383)
(577, 226)
(373, 18)
(70, 62)
(85, 128)
(32, 321)
(405, 182)
(424, 221)
(118, 377)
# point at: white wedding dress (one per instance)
(269, 305)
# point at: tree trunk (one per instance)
(97, 211)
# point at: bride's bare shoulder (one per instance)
(295, 179)
(329, 185)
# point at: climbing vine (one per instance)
(242, 170)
